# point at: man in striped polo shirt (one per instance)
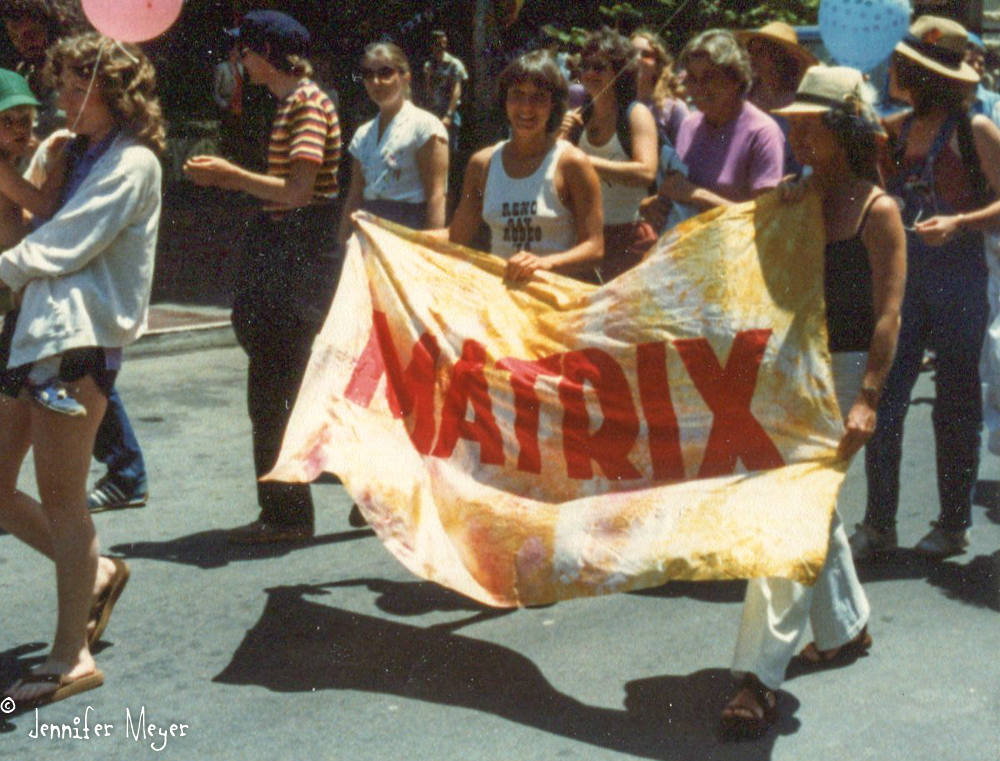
(291, 263)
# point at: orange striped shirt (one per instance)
(306, 127)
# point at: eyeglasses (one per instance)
(382, 73)
(595, 65)
(649, 55)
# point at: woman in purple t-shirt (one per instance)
(733, 151)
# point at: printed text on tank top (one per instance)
(519, 215)
(521, 204)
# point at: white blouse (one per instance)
(390, 164)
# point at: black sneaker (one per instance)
(107, 495)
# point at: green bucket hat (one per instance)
(14, 91)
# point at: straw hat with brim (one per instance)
(832, 88)
(14, 91)
(939, 44)
(784, 37)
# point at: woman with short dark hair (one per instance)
(539, 195)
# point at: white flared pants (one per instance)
(776, 611)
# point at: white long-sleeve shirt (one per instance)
(88, 271)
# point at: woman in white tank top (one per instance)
(540, 197)
(626, 171)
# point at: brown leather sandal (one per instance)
(846, 653)
(104, 603)
(750, 719)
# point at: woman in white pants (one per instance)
(834, 130)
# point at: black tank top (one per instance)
(847, 287)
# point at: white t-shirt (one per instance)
(390, 164)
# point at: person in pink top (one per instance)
(733, 151)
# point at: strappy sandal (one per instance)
(65, 687)
(100, 611)
(743, 721)
(837, 656)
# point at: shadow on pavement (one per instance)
(210, 549)
(417, 598)
(974, 583)
(706, 591)
(14, 663)
(300, 645)
(987, 494)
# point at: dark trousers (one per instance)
(117, 447)
(277, 366)
(284, 290)
(946, 309)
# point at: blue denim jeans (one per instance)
(945, 309)
(117, 447)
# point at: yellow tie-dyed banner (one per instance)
(529, 443)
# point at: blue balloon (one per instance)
(862, 33)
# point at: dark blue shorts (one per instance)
(75, 364)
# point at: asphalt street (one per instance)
(333, 651)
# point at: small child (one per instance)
(17, 195)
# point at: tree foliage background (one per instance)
(676, 20)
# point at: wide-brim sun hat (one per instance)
(832, 88)
(785, 37)
(14, 91)
(939, 44)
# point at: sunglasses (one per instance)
(382, 73)
(596, 65)
(649, 55)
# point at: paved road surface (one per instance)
(333, 651)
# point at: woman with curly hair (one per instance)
(657, 86)
(618, 134)
(834, 130)
(84, 276)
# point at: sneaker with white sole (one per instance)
(107, 495)
(867, 542)
(942, 542)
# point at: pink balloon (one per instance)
(132, 20)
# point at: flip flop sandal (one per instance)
(846, 653)
(100, 611)
(66, 687)
(751, 727)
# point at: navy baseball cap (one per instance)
(285, 35)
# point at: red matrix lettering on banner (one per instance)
(367, 373)
(610, 444)
(735, 432)
(523, 374)
(468, 384)
(410, 392)
(658, 409)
